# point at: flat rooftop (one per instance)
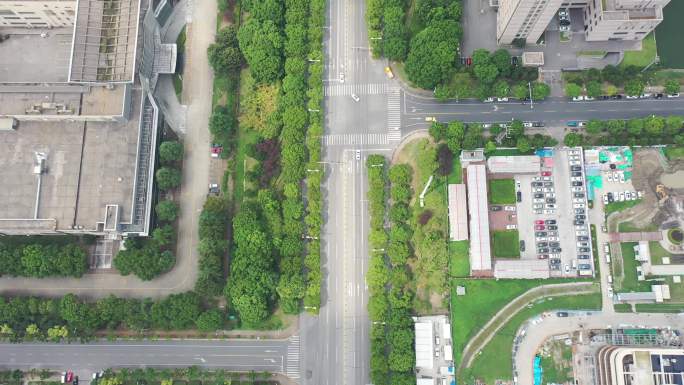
(29, 57)
(79, 100)
(89, 165)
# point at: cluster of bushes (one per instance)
(461, 136)
(609, 80)
(494, 75)
(640, 131)
(49, 257)
(387, 29)
(226, 59)
(31, 318)
(390, 296)
(149, 257)
(314, 198)
(213, 231)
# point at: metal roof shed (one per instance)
(424, 341)
(514, 164)
(458, 212)
(480, 249)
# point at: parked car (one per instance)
(550, 221)
(539, 222)
(577, 183)
(539, 227)
(495, 208)
(556, 249)
(540, 233)
(584, 266)
(552, 227)
(562, 314)
(583, 250)
(543, 256)
(582, 238)
(518, 196)
(389, 73)
(546, 173)
(511, 227)
(538, 195)
(583, 256)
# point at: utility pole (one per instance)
(529, 86)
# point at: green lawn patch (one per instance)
(630, 227)
(657, 252)
(629, 264)
(558, 369)
(674, 152)
(483, 299)
(659, 307)
(622, 307)
(505, 152)
(459, 260)
(494, 362)
(506, 243)
(594, 249)
(669, 34)
(501, 191)
(620, 206)
(595, 53)
(456, 175)
(178, 77)
(643, 57)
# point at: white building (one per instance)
(524, 19)
(424, 345)
(480, 248)
(622, 19)
(529, 164)
(37, 13)
(458, 212)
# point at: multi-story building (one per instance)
(636, 365)
(622, 19)
(37, 13)
(524, 19)
(603, 19)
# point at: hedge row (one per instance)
(42, 260)
(314, 208)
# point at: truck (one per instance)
(573, 123)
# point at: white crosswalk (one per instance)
(359, 139)
(394, 135)
(358, 89)
(394, 109)
(292, 366)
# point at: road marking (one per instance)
(394, 109)
(358, 89)
(354, 139)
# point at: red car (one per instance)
(539, 227)
(539, 222)
(543, 256)
(69, 376)
(469, 61)
(546, 173)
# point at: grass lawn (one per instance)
(676, 290)
(557, 366)
(178, 77)
(674, 152)
(506, 243)
(669, 34)
(643, 57)
(484, 297)
(657, 252)
(622, 307)
(501, 191)
(629, 281)
(494, 362)
(630, 227)
(456, 175)
(620, 206)
(659, 307)
(505, 152)
(459, 261)
(594, 249)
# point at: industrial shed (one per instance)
(458, 212)
(424, 345)
(480, 249)
(514, 164)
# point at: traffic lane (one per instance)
(239, 355)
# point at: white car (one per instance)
(358, 155)
(341, 77)
(574, 163)
(548, 190)
(640, 194)
(549, 211)
(628, 196)
(509, 208)
(355, 97)
(546, 179)
(605, 199)
(577, 200)
(550, 195)
(538, 200)
(589, 98)
(536, 178)
(486, 125)
(511, 227)
(581, 232)
(577, 98)
(538, 212)
(538, 190)
(622, 177)
(645, 95)
(577, 189)
(576, 179)
(610, 177)
(673, 95)
(505, 100)
(527, 124)
(622, 197)
(579, 205)
(631, 97)
(615, 176)
(489, 100)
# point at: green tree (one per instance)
(168, 178)
(431, 55)
(520, 91)
(611, 90)
(654, 125)
(210, 320)
(635, 127)
(516, 129)
(486, 73)
(594, 89)
(224, 55)
(594, 126)
(438, 131)
(502, 60)
(540, 90)
(673, 124)
(166, 210)
(572, 139)
(57, 333)
(222, 122)
(261, 42)
(501, 89)
(490, 147)
(164, 235)
(634, 87)
(572, 90)
(672, 86)
(455, 132)
(170, 151)
(523, 145)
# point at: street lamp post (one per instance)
(529, 86)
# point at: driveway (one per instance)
(197, 91)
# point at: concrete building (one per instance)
(622, 19)
(524, 19)
(81, 156)
(629, 365)
(37, 13)
(480, 248)
(458, 212)
(530, 164)
(434, 353)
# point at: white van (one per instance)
(610, 279)
(606, 248)
(574, 264)
(607, 258)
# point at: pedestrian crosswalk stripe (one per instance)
(354, 139)
(358, 89)
(394, 135)
(292, 365)
(394, 109)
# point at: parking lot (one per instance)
(552, 218)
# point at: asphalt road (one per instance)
(552, 111)
(85, 359)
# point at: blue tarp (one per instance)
(537, 371)
(544, 152)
